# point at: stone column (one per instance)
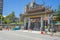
(48, 19)
(29, 22)
(41, 23)
(48, 22)
(24, 23)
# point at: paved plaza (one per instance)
(24, 35)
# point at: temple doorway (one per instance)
(35, 26)
(26, 28)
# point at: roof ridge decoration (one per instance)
(43, 2)
(33, 1)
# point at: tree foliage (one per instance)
(58, 15)
(1, 17)
(9, 18)
(12, 15)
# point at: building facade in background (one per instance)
(1, 10)
(1, 7)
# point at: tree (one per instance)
(21, 22)
(1, 17)
(11, 17)
(58, 15)
(7, 21)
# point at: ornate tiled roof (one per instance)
(33, 7)
(33, 4)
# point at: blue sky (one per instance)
(18, 5)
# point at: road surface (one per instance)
(19, 35)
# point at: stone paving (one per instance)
(25, 35)
(39, 32)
